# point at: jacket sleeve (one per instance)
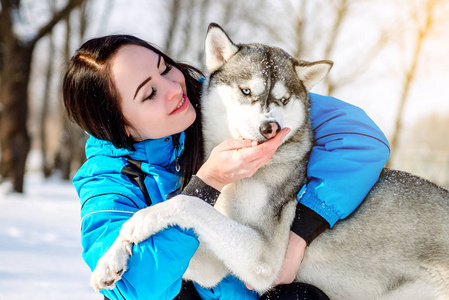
(347, 157)
(157, 265)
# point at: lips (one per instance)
(182, 105)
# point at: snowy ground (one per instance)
(40, 251)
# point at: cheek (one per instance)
(245, 119)
(142, 116)
(294, 114)
(127, 112)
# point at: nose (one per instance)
(269, 129)
(173, 89)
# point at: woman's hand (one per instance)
(292, 261)
(236, 159)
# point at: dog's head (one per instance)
(261, 89)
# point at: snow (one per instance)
(40, 249)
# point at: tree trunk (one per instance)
(46, 166)
(15, 61)
(14, 138)
(70, 153)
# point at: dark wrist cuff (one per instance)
(307, 223)
(198, 188)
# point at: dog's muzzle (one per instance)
(269, 129)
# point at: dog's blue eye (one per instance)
(246, 92)
(284, 100)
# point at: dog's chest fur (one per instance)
(263, 199)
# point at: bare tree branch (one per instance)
(228, 12)
(204, 8)
(341, 12)
(174, 19)
(299, 25)
(186, 29)
(46, 168)
(410, 73)
(58, 16)
(362, 63)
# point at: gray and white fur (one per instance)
(395, 246)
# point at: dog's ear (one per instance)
(311, 73)
(218, 47)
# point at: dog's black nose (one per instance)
(269, 129)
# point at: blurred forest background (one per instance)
(390, 58)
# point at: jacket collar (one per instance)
(161, 152)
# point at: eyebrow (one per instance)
(148, 79)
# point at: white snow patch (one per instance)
(40, 248)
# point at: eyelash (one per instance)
(167, 69)
(151, 96)
(153, 92)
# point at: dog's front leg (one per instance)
(153, 219)
(241, 248)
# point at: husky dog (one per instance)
(395, 246)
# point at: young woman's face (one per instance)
(153, 94)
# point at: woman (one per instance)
(142, 111)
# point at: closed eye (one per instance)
(151, 96)
(168, 68)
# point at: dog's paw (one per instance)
(111, 265)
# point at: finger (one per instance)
(235, 144)
(270, 146)
(264, 151)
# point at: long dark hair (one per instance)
(92, 101)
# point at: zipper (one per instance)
(177, 146)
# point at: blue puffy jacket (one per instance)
(348, 155)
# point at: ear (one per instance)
(218, 47)
(311, 73)
(128, 131)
